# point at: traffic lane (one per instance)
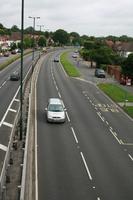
(62, 174)
(111, 114)
(60, 165)
(15, 66)
(90, 128)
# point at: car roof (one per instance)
(55, 101)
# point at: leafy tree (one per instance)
(29, 30)
(42, 41)
(14, 28)
(13, 46)
(61, 37)
(127, 66)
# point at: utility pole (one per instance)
(33, 34)
(21, 74)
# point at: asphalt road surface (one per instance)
(90, 156)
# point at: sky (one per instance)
(86, 17)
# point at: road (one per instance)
(91, 155)
(9, 102)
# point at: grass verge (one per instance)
(11, 60)
(115, 92)
(118, 94)
(70, 69)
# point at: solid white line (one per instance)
(9, 107)
(12, 110)
(86, 167)
(75, 137)
(67, 117)
(130, 157)
(7, 124)
(102, 118)
(3, 147)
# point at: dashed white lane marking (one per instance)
(12, 110)
(130, 157)
(59, 94)
(86, 167)
(8, 124)
(3, 147)
(98, 198)
(67, 117)
(3, 83)
(75, 137)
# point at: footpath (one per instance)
(87, 73)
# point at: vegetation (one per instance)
(129, 110)
(68, 66)
(115, 92)
(127, 66)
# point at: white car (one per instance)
(55, 111)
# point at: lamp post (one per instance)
(21, 74)
(40, 27)
(34, 19)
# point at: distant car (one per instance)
(100, 73)
(56, 59)
(75, 55)
(15, 76)
(55, 111)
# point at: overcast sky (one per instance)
(89, 17)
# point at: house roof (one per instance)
(124, 46)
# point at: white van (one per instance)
(55, 111)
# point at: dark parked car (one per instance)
(15, 76)
(100, 73)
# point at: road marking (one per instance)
(102, 118)
(3, 147)
(17, 100)
(67, 117)
(113, 133)
(74, 135)
(59, 94)
(86, 167)
(3, 83)
(12, 110)
(7, 124)
(130, 157)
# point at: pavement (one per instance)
(87, 73)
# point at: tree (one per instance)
(61, 37)
(14, 28)
(127, 66)
(42, 41)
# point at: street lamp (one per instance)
(21, 74)
(34, 18)
(40, 27)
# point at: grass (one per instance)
(11, 60)
(115, 92)
(70, 69)
(128, 110)
(118, 94)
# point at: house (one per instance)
(123, 48)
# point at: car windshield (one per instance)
(55, 108)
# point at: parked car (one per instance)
(100, 73)
(55, 111)
(75, 55)
(6, 54)
(15, 76)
